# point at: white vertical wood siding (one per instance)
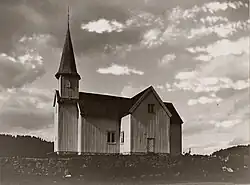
(68, 128)
(146, 125)
(125, 148)
(56, 127)
(94, 135)
(79, 133)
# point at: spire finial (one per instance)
(68, 16)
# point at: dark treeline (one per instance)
(29, 146)
(24, 146)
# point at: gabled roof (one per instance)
(107, 106)
(175, 115)
(67, 64)
(104, 105)
(141, 96)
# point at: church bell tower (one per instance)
(66, 112)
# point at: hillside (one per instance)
(235, 150)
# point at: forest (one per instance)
(24, 146)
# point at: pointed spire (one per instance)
(67, 64)
(68, 17)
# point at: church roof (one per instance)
(175, 115)
(67, 64)
(114, 106)
(101, 105)
(104, 105)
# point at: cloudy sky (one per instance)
(195, 53)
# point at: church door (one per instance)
(150, 145)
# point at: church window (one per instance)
(110, 137)
(151, 108)
(122, 137)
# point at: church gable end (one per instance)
(144, 95)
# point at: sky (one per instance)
(195, 54)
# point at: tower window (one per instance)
(151, 108)
(68, 84)
(111, 137)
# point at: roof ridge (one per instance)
(138, 95)
(115, 96)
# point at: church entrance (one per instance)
(150, 145)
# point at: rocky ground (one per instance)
(150, 169)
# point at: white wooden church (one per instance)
(97, 123)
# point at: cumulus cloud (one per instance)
(25, 64)
(117, 70)
(165, 87)
(231, 66)
(169, 87)
(161, 87)
(130, 91)
(223, 120)
(185, 75)
(203, 100)
(226, 66)
(210, 20)
(225, 123)
(205, 58)
(108, 17)
(172, 33)
(222, 30)
(199, 27)
(16, 72)
(167, 58)
(213, 7)
(222, 117)
(26, 108)
(238, 141)
(210, 84)
(208, 25)
(178, 13)
(152, 38)
(103, 25)
(143, 18)
(224, 47)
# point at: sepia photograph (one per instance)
(124, 92)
